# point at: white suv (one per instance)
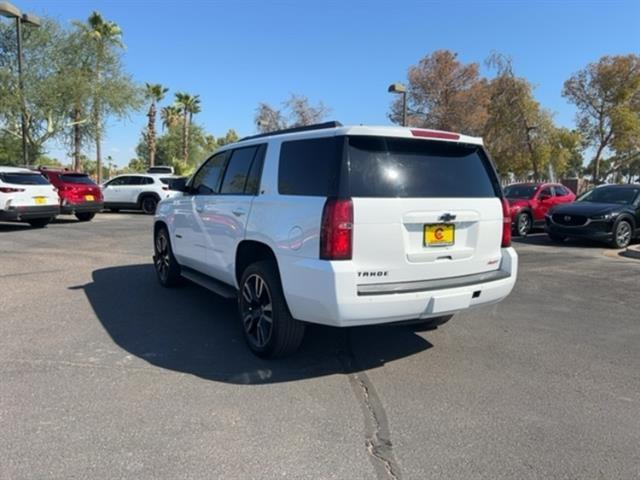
(341, 226)
(27, 196)
(137, 192)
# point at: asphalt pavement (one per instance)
(104, 374)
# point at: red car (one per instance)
(79, 195)
(529, 202)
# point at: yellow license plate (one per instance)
(40, 200)
(89, 198)
(439, 234)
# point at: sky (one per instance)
(235, 54)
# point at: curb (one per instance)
(632, 252)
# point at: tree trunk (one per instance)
(185, 138)
(76, 139)
(98, 156)
(151, 134)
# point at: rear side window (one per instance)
(395, 167)
(237, 172)
(561, 191)
(77, 178)
(310, 167)
(24, 178)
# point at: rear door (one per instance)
(423, 209)
(545, 202)
(226, 222)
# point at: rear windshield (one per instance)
(520, 191)
(167, 180)
(77, 178)
(24, 178)
(398, 167)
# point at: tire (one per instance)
(524, 224)
(148, 204)
(114, 210)
(555, 238)
(268, 336)
(166, 266)
(40, 222)
(85, 216)
(622, 234)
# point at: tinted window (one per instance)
(545, 191)
(310, 167)
(76, 178)
(24, 178)
(253, 182)
(207, 179)
(140, 181)
(520, 191)
(623, 196)
(235, 177)
(561, 191)
(394, 167)
(167, 180)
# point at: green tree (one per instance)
(189, 105)
(113, 92)
(230, 137)
(46, 84)
(607, 96)
(517, 130)
(171, 116)
(155, 93)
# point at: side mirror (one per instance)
(179, 185)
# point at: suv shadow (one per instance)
(542, 239)
(191, 330)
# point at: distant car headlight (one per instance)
(604, 216)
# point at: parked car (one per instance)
(529, 202)
(608, 213)
(79, 195)
(341, 226)
(27, 196)
(161, 169)
(137, 192)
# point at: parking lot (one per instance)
(104, 374)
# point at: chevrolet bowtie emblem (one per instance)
(447, 217)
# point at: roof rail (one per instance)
(317, 126)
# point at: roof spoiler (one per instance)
(305, 128)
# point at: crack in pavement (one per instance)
(377, 433)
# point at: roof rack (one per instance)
(317, 126)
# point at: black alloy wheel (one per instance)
(149, 205)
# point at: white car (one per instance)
(137, 192)
(341, 226)
(27, 196)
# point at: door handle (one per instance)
(238, 212)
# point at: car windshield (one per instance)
(19, 178)
(77, 178)
(623, 196)
(520, 191)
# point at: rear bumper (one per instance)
(29, 213)
(87, 207)
(327, 293)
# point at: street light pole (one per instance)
(9, 10)
(400, 88)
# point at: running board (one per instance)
(205, 281)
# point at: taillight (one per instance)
(420, 132)
(11, 190)
(506, 223)
(336, 234)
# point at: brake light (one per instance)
(506, 223)
(11, 190)
(336, 233)
(434, 134)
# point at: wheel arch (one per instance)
(251, 251)
(629, 218)
(144, 195)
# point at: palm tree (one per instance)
(154, 92)
(189, 105)
(171, 116)
(103, 34)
